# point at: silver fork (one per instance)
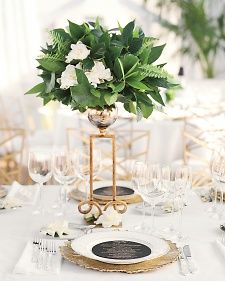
(41, 254)
(35, 243)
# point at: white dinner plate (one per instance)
(120, 247)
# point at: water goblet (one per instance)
(40, 171)
(138, 178)
(64, 171)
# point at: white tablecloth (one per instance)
(17, 226)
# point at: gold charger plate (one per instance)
(145, 266)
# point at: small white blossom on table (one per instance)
(57, 229)
(109, 218)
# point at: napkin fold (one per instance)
(26, 266)
(19, 195)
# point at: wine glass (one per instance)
(64, 171)
(181, 184)
(83, 165)
(138, 177)
(40, 171)
(152, 191)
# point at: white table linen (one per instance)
(18, 226)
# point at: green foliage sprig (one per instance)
(126, 53)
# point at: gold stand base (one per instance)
(86, 206)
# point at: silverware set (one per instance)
(44, 252)
(186, 264)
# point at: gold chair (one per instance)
(201, 135)
(11, 154)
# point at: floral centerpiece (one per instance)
(88, 66)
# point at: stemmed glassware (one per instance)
(183, 177)
(64, 171)
(138, 178)
(40, 171)
(152, 191)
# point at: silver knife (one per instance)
(187, 254)
(182, 263)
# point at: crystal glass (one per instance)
(181, 184)
(138, 178)
(83, 165)
(152, 190)
(40, 171)
(64, 171)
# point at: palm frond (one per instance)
(154, 71)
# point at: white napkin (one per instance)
(27, 195)
(221, 247)
(26, 266)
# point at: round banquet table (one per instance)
(19, 225)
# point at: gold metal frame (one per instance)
(119, 206)
(126, 139)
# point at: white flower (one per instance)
(93, 213)
(9, 203)
(109, 218)
(98, 74)
(68, 77)
(79, 52)
(59, 227)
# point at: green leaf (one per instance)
(36, 89)
(76, 31)
(138, 85)
(98, 51)
(129, 63)
(155, 53)
(144, 55)
(96, 93)
(157, 97)
(82, 78)
(145, 109)
(110, 98)
(130, 107)
(119, 87)
(127, 33)
(88, 63)
(135, 45)
(118, 69)
(53, 66)
(82, 96)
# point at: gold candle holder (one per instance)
(86, 206)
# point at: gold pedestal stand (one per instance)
(86, 206)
